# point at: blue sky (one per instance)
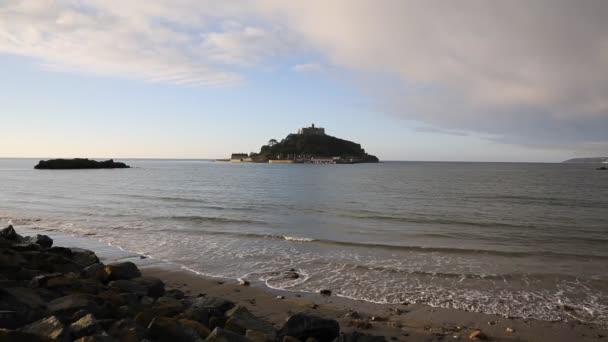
(214, 80)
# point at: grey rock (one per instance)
(203, 308)
(40, 240)
(95, 271)
(86, 325)
(122, 271)
(84, 257)
(303, 326)
(19, 306)
(169, 329)
(221, 335)
(175, 293)
(240, 320)
(257, 336)
(7, 335)
(154, 287)
(9, 233)
(49, 327)
(127, 330)
(128, 286)
(72, 303)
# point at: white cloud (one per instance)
(529, 72)
(307, 67)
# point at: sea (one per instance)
(514, 239)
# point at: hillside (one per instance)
(588, 160)
(307, 146)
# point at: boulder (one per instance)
(9, 233)
(257, 336)
(204, 308)
(19, 306)
(202, 330)
(95, 271)
(122, 271)
(221, 335)
(127, 286)
(303, 326)
(103, 337)
(71, 303)
(7, 335)
(175, 293)
(240, 320)
(84, 257)
(40, 240)
(146, 315)
(126, 330)
(170, 329)
(49, 327)
(86, 325)
(154, 287)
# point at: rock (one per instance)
(379, 319)
(169, 329)
(175, 293)
(122, 271)
(202, 330)
(325, 292)
(127, 286)
(303, 326)
(42, 280)
(72, 303)
(84, 257)
(244, 282)
(257, 336)
(290, 339)
(87, 325)
(311, 339)
(203, 308)
(9, 233)
(95, 271)
(240, 320)
(97, 338)
(40, 240)
(359, 337)
(78, 163)
(146, 315)
(510, 330)
(7, 335)
(19, 306)
(49, 327)
(126, 330)
(477, 335)
(221, 335)
(154, 287)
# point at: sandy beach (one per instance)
(412, 322)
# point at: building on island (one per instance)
(312, 130)
(239, 157)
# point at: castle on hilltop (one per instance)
(312, 130)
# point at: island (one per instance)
(79, 163)
(587, 160)
(308, 145)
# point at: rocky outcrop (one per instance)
(79, 163)
(66, 294)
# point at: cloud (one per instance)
(182, 42)
(307, 67)
(427, 129)
(525, 72)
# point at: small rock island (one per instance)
(310, 145)
(79, 163)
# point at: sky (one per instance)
(466, 80)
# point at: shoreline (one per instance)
(413, 322)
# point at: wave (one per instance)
(211, 219)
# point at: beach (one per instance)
(401, 322)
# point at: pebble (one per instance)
(325, 292)
(509, 330)
(280, 297)
(244, 282)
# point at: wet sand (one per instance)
(412, 322)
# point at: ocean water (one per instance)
(525, 240)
